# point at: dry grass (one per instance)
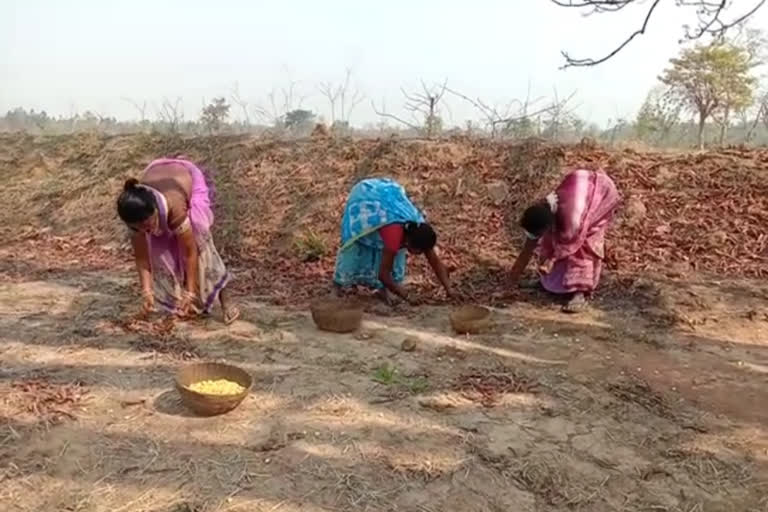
(310, 246)
(550, 478)
(708, 470)
(488, 387)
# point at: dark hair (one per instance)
(135, 204)
(420, 236)
(538, 218)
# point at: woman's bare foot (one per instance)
(575, 304)
(384, 296)
(231, 313)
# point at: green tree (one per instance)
(657, 116)
(215, 114)
(712, 80)
(299, 121)
(518, 128)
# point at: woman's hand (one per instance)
(454, 295)
(186, 308)
(522, 261)
(148, 302)
(545, 267)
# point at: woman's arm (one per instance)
(141, 255)
(522, 260)
(188, 247)
(143, 266)
(385, 274)
(440, 271)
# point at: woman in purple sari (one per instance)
(169, 211)
(568, 228)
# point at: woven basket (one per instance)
(337, 316)
(211, 405)
(471, 319)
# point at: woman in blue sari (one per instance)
(380, 226)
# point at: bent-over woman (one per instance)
(380, 226)
(170, 213)
(569, 228)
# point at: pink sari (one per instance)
(168, 269)
(586, 203)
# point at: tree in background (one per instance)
(280, 102)
(215, 115)
(171, 115)
(658, 115)
(425, 108)
(242, 103)
(299, 121)
(342, 100)
(711, 80)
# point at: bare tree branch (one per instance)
(424, 107)
(383, 113)
(709, 14)
(332, 94)
(607, 6)
(496, 118)
(242, 103)
(278, 103)
(171, 114)
(349, 102)
(141, 109)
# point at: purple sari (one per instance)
(168, 269)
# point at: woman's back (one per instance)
(175, 183)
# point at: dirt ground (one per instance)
(656, 400)
(615, 410)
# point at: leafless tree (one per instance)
(140, 108)
(331, 93)
(349, 99)
(171, 113)
(761, 114)
(559, 114)
(424, 107)
(238, 100)
(499, 119)
(280, 102)
(711, 20)
(343, 96)
(750, 118)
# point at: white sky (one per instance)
(73, 55)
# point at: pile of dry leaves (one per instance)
(159, 336)
(279, 205)
(43, 400)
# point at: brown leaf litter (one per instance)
(45, 401)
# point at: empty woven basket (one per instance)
(210, 405)
(337, 315)
(471, 319)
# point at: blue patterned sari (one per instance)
(372, 204)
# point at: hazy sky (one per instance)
(87, 54)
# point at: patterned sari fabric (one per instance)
(586, 203)
(168, 269)
(372, 204)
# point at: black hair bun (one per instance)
(130, 184)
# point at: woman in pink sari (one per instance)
(169, 211)
(568, 228)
